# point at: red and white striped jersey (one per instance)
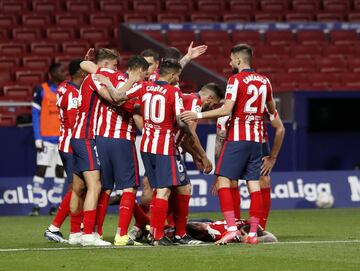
(250, 91)
(160, 104)
(154, 76)
(67, 100)
(218, 228)
(86, 120)
(114, 121)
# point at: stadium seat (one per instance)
(210, 5)
(207, 61)
(156, 35)
(146, 6)
(75, 48)
(283, 37)
(13, 48)
(44, 48)
(46, 6)
(18, 90)
(307, 52)
(305, 5)
(268, 17)
(299, 17)
(214, 37)
(5, 76)
(80, 6)
(36, 63)
(170, 18)
(204, 17)
(240, 6)
(286, 81)
(344, 37)
(320, 81)
(263, 66)
(338, 51)
(9, 62)
(180, 36)
(187, 87)
(65, 59)
(266, 51)
(94, 34)
(274, 5)
(246, 36)
(235, 17)
(113, 6)
(29, 76)
(353, 17)
(4, 34)
(60, 33)
(7, 120)
(103, 19)
(349, 81)
(137, 17)
(13, 6)
(299, 65)
(336, 5)
(69, 20)
(331, 65)
(354, 64)
(311, 37)
(178, 6)
(35, 20)
(26, 34)
(8, 21)
(329, 17)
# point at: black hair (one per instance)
(169, 66)
(53, 67)
(150, 53)
(215, 89)
(137, 61)
(244, 49)
(74, 66)
(172, 53)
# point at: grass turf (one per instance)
(288, 226)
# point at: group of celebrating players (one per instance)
(100, 109)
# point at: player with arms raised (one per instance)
(247, 93)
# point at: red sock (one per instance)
(89, 221)
(227, 207)
(266, 197)
(181, 214)
(101, 211)
(236, 201)
(151, 207)
(63, 211)
(126, 211)
(157, 220)
(170, 214)
(75, 222)
(256, 210)
(141, 218)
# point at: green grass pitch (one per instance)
(299, 233)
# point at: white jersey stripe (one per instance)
(100, 120)
(256, 131)
(78, 131)
(108, 121)
(146, 143)
(247, 130)
(96, 116)
(167, 142)
(155, 141)
(236, 130)
(118, 126)
(129, 129)
(67, 141)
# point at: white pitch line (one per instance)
(145, 246)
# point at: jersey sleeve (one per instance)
(179, 103)
(196, 106)
(269, 95)
(232, 89)
(35, 111)
(135, 91)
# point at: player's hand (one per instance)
(214, 187)
(39, 145)
(194, 52)
(199, 164)
(188, 116)
(207, 165)
(267, 165)
(103, 79)
(89, 54)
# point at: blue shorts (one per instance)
(67, 159)
(85, 155)
(265, 149)
(165, 170)
(240, 160)
(119, 164)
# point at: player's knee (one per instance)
(184, 190)
(163, 193)
(40, 171)
(265, 181)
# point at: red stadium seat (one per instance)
(65, 59)
(246, 36)
(5, 76)
(299, 66)
(146, 6)
(137, 18)
(103, 19)
(80, 6)
(305, 52)
(320, 81)
(214, 37)
(13, 6)
(338, 51)
(7, 21)
(306, 5)
(336, 5)
(267, 66)
(187, 87)
(204, 17)
(113, 6)
(35, 20)
(13, 48)
(26, 34)
(94, 34)
(331, 65)
(180, 36)
(344, 37)
(36, 63)
(156, 35)
(354, 64)
(29, 76)
(247, 6)
(69, 20)
(353, 16)
(235, 17)
(7, 120)
(267, 51)
(268, 17)
(207, 61)
(44, 48)
(75, 48)
(329, 17)
(18, 90)
(287, 81)
(4, 34)
(299, 17)
(50, 7)
(60, 33)
(210, 5)
(274, 5)
(311, 37)
(9, 62)
(170, 18)
(284, 37)
(350, 81)
(179, 6)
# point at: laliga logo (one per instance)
(19, 196)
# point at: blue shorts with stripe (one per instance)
(119, 164)
(240, 160)
(165, 170)
(265, 149)
(85, 155)
(67, 159)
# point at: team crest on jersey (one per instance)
(181, 102)
(197, 109)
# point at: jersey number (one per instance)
(154, 107)
(255, 92)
